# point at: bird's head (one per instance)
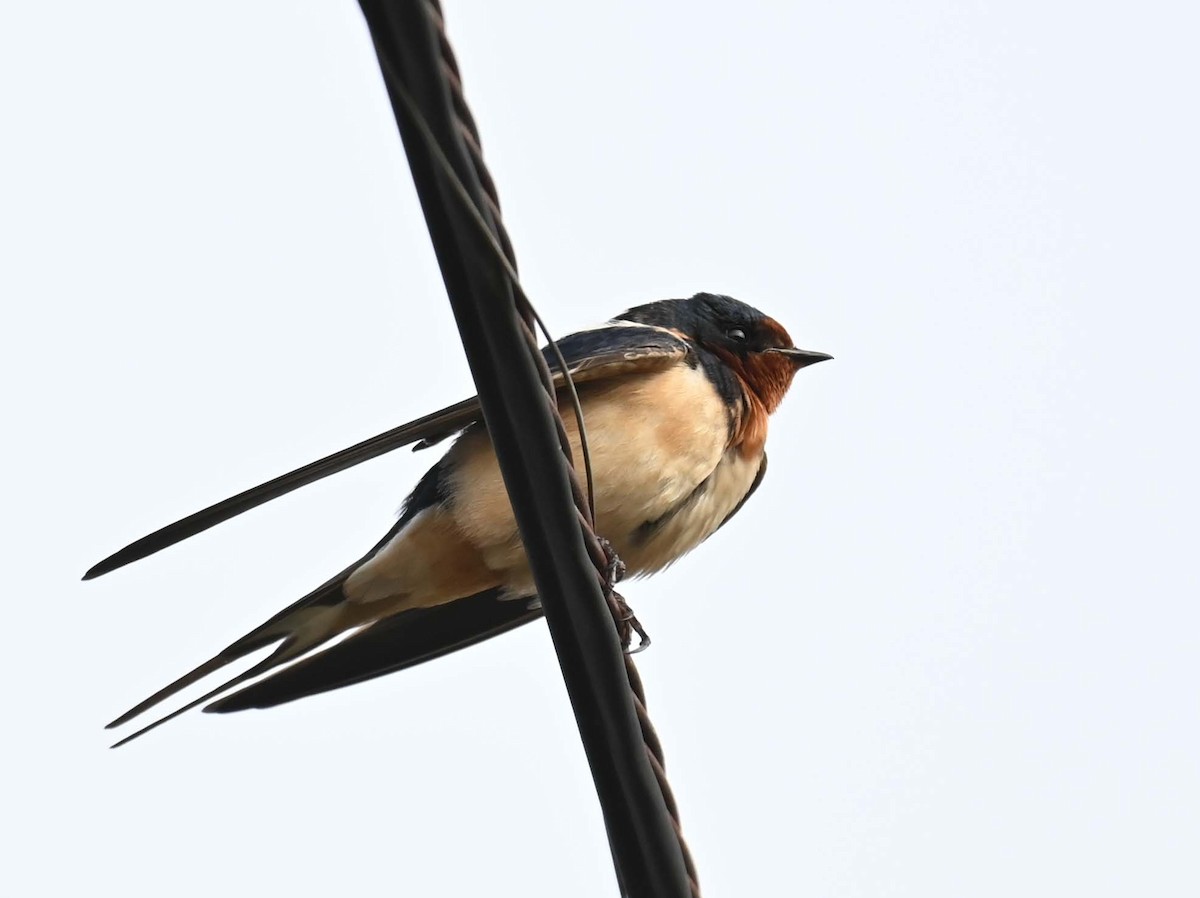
(756, 346)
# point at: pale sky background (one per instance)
(950, 649)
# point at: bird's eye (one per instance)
(736, 333)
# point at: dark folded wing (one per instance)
(392, 644)
(590, 355)
(458, 415)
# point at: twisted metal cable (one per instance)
(470, 133)
(600, 554)
(654, 751)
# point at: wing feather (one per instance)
(609, 351)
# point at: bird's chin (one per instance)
(769, 375)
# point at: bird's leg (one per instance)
(614, 566)
(623, 616)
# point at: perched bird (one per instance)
(675, 397)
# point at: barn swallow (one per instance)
(675, 395)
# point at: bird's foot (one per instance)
(623, 616)
(628, 624)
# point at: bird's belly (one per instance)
(661, 541)
(653, 440)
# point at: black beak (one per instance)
(802, 358)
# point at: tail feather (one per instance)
(380, 647)
(302, 626)
(234, 652)
(288, 650)
(392, 644)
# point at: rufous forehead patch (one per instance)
(770, 324)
